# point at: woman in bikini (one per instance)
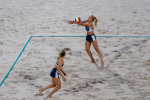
(56, 71)
(90, 38)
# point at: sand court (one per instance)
(127, 60)
(33, 68)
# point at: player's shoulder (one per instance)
(60, 60)
(90, 23)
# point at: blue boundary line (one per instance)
(56, 36)
(85, 36)
(15, 61)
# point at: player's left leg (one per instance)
(95, 45)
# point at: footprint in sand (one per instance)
(67, 49)
(38, 94)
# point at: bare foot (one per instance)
(49, 97)
(93, 61)
(40, 92)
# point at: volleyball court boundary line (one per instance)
(58, 36)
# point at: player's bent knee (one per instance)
(59, 87)
(53, 85)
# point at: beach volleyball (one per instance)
(78, 20)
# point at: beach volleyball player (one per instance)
(55, 72)
(90, 38)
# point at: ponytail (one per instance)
(95, 19)
(61, 54)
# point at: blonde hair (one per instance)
(95, 19)
(61, 54)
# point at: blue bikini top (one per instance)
(57, 63)
(88, 29)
